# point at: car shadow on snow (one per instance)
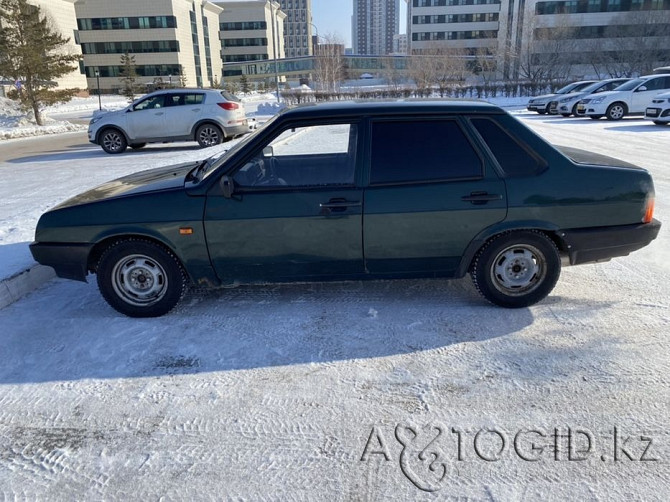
(66, 331)
(647, 126)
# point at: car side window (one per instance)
(311, 156)
(150, 103)
(193, 99)
(174, 100)
(514, 159)
(416, 151)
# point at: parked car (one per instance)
(208, 116)
(350, 191)
(566, 105)
(540, 104)
(631, 98)
(659, 109)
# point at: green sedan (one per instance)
(352, 191)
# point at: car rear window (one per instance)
(415, 151)
(230, 97)
(514, 159)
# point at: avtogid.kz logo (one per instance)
(428, 453)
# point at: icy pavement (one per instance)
(408, 390)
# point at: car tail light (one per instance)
(649, 210)
(229, 106)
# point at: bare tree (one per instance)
(329, 66)
(392, 73)
(422, 70)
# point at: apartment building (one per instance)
(297, 27)
(374, 24)
(171, 40)
(61, 14)
(575, 36)
(251, 30)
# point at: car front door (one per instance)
(147, 118)
(429, 195)
(295, 212)
(645, 92)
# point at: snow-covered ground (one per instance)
(354, 391)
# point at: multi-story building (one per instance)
(251, 30)
(171, 40)
(400, 44)
(575, 38)
(374, 23)
(62, 16)
(297, 27)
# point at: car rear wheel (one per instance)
(616, 111)
(517, 269)
(140, 278)
(113, 141)
(208, 135)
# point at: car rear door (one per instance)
(296, 211)
(430, 193)
(183, 109)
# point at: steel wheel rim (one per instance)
(616, 112)
(209, 136)
(139, 280)
(518, 270)
(112, 141)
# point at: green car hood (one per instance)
(152, 180)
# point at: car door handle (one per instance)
(158, 113)
(195, 109)
(481, 197)
(337, 205)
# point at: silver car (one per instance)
(208, 116)
(567, 104)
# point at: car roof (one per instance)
(391, 107)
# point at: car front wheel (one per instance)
(517, 269)
(616, 111)
(140, 278)
(113, 141)
(208, 135)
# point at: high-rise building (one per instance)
(172, 40)
(374, 24)
(297, 27)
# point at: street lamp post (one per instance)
(170, 79)
(273, 18)
(97, 78)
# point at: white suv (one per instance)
(631, 98)
(208, 116)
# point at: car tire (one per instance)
(140, 278)
(595, 117)
(113, 141)
(137, 146)
(616, 111)
(516, 269)
(208, 135)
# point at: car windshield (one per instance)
(593, 87)
(631, 85)
(568, 88)
(241, 144)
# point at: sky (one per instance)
(334, 17)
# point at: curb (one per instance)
(17, 286)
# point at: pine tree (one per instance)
(244, 83)
(31, 52)
(128, 76)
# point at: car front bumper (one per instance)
(537, 107)
(589, 245)
(68, 260)
(591, 109)
(657, 113)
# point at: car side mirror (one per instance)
(268, 151)
(641, 88)
(227, 187)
